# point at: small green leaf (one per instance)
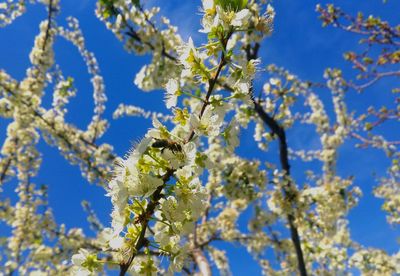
(232, 5)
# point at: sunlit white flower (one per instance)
(85, 262)
(190, 58)
(158, 131)
(138, 151)
(208, 4)
(190, 152)
(241, 18)
(118, 220)
(171, 210)
(118, 193)
(79, 259)
(116, 242)
(209, 23)
(267, 88)
(178, 260)
(242, 92)
(187, 53)
(173, 92)
(146, 186)
(231, 135)
(140, 77)
(275, 81)
(209, 124)
(162, 234)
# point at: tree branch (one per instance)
(48, 28)
(202, 262)
(279, 131)
(378, 76)
(142, 241)
(5, 169)
(70, 145)
(284, 160)
(212, 82)
(199, 257)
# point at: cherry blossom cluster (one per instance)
(184, 188)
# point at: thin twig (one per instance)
(48, 28)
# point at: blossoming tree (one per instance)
(183, 187)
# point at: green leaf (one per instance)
(232, 5)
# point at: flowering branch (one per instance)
(149, 212)
(283, 154)
(279, 131)
(103, 175)
(164, 205)
(378, 76)
(48, 28)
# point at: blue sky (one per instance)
(298, 43)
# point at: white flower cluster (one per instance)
(130, 110)
(9, 11)
(141, 192)
(32, 226)
(134, 26)
(389, 190)
(184, 186)
(97, 126)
